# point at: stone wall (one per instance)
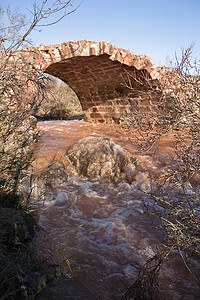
(110, 82)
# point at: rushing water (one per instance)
(102, 230)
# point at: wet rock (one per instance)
(51, 176)
(142, 182)
(97, 158)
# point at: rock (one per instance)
(33, 122)
(51, 176)
(97, 158)
(142, 182)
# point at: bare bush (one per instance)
(177, 111)
(21, 92)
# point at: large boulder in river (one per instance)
(96, 158)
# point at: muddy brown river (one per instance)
(102, 232)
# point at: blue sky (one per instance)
(156, 28)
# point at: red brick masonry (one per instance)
(110, 82)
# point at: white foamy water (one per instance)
(102, 228)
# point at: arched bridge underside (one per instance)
(110, 82)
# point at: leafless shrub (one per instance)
(146, 286)
(21, 89)
(21, 93)
(177, 110)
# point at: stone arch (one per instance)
(109, 81)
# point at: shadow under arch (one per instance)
(101, 86)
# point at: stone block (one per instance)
(96, 72)
(109, 109)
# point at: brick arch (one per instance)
(99, 73)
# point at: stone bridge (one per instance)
(110, 82)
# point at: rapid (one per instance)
(103, 232)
